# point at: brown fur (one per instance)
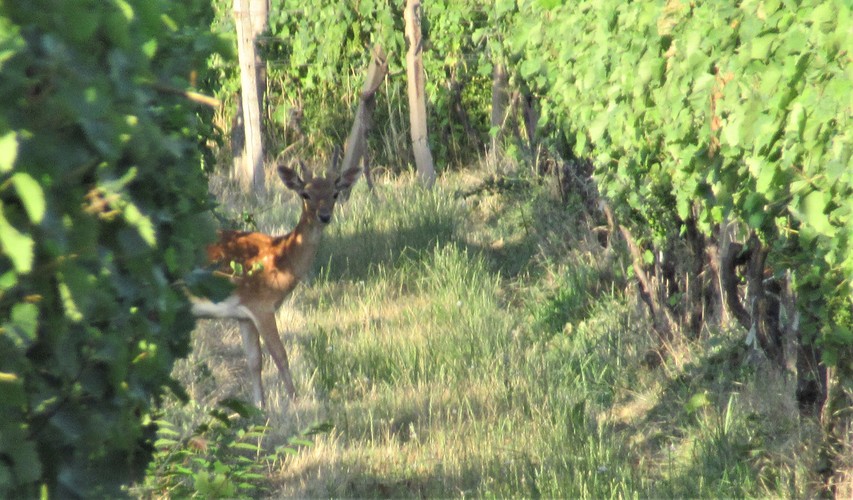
(270, 268)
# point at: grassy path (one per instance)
(485, 345)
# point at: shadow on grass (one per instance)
(358, 480)
(380, 229)
(356, 256)
(367, 430)
(723, 425)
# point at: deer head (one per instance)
(318, 194)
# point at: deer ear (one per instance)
(290, 178)
(347, 178)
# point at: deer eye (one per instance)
(335, 196)
(305, 196)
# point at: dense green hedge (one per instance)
(101, 187)
(713, 112)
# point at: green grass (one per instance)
(487, 345)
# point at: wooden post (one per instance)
(251, 168)
(417, 96)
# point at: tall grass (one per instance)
(488, 345)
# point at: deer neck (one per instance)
(299, 248)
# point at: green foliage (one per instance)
(101, 188)
(223, 457)
(317, 54)
(714, 112)
(460, 38)
(570, 299)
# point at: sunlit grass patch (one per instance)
(377, 228)
(435, 318)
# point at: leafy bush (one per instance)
(701, 114)
(222, 457)
(101, 190)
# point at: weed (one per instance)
(223, 457)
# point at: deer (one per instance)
(272, 267)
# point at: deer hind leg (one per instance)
(269, 332)
(252, 348)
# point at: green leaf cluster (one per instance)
(316, 55)
(714, 112)
(223, 457)
(101, 200)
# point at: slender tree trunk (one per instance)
(500, 99)
(763, 299)
(238, 139)
(812, 379)
(714, 309)
(356, 147)
(457, 111)
(531, 121)
(251, 170)
(259, 12)
(417, 96)
(694, 316)
(733, 256)
(663, 323)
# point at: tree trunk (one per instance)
(356, 147)
(417, 96)
(500, 99)
(251, 170)
(733, 256)
(763, 298)
(663, 323)
(812, 380)
(531, 120)
(458, 113)
(259, 12)
(694, 311)
(238, 139)
(714, 309)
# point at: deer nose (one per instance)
(325, 218)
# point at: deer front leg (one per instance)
(269, 332)
(252, 348)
